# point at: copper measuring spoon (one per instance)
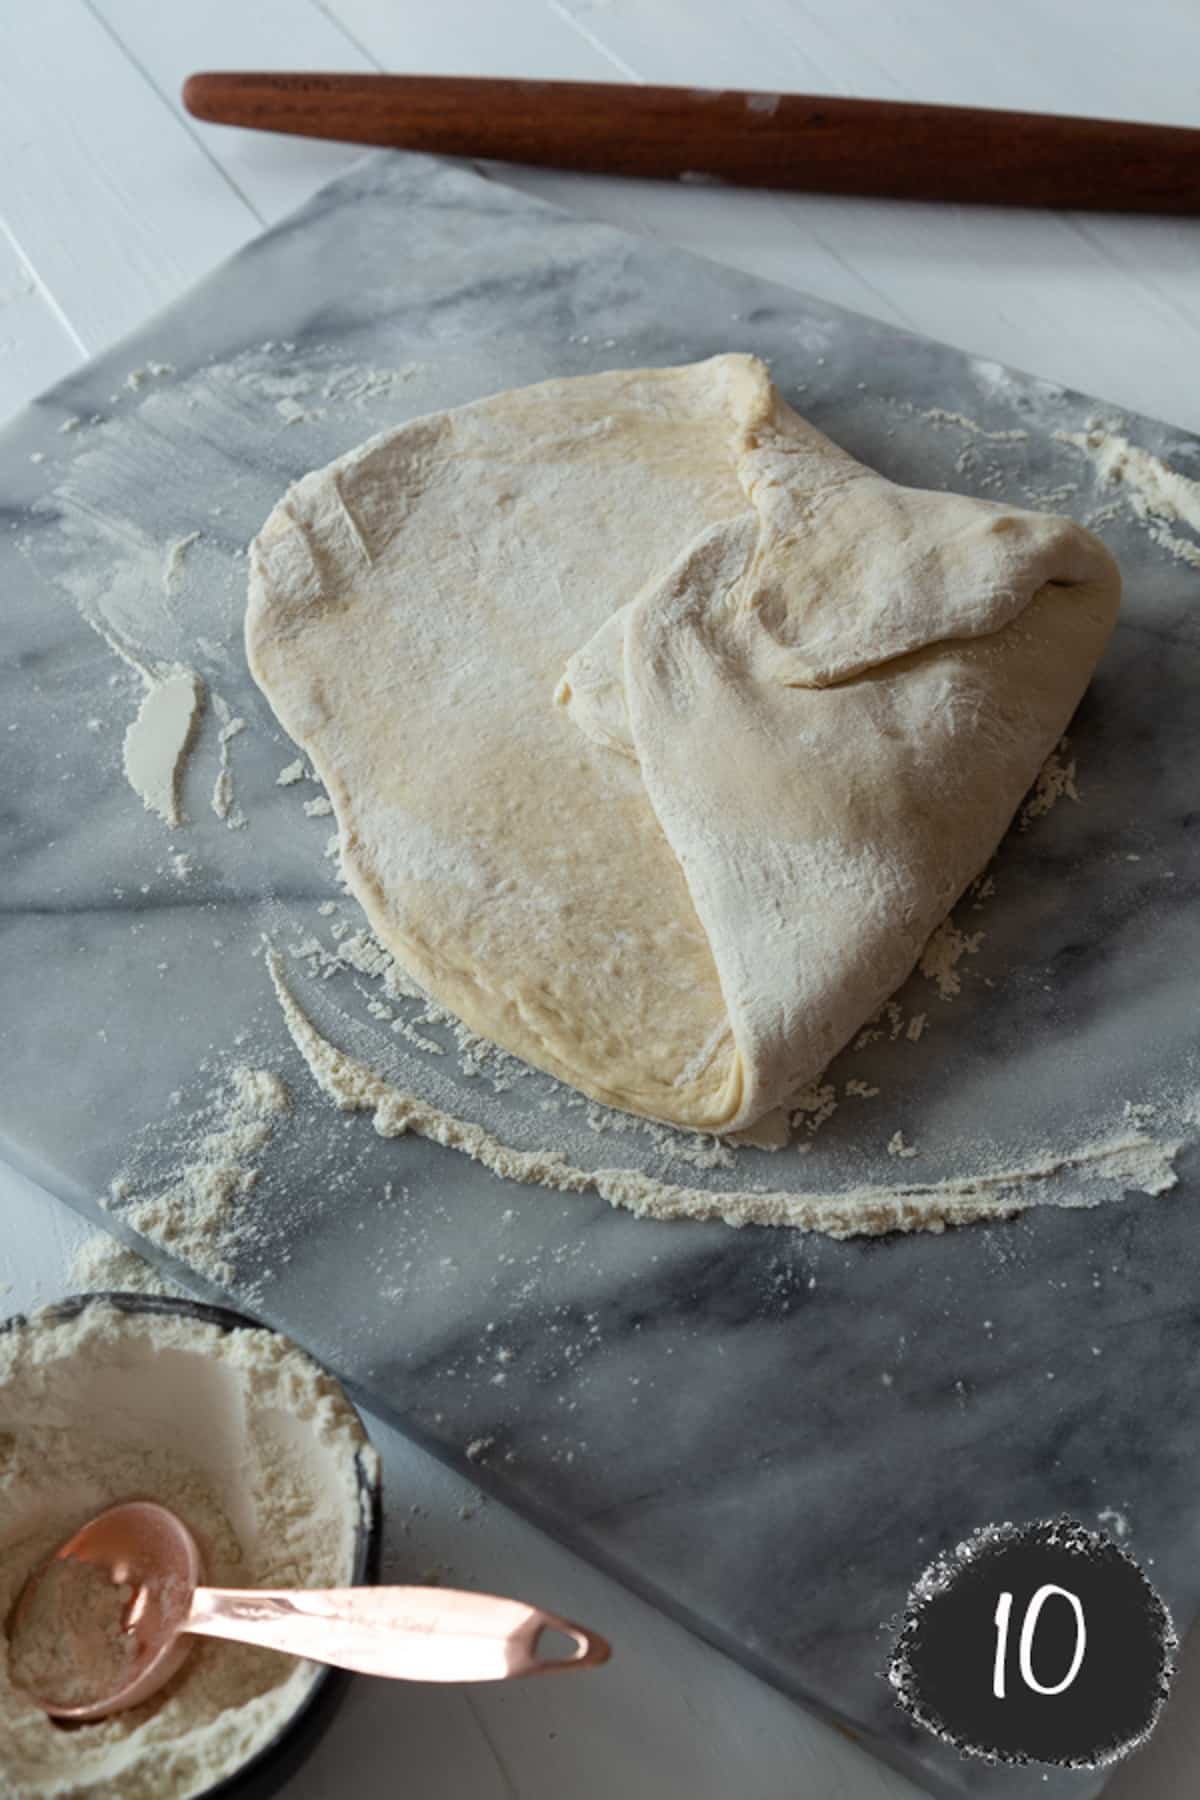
(410, 1633)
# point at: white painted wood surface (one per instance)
(112, 201)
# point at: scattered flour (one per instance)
(1116, 1522)
(1092, 1172)
(297, 392)
(121, 577)
(137, 378)
(1055, 782)
(940, 415)
(887, 1022)
(1158, 494)
(174, 560)
(223, 800)
(294, 772)
(941, 957)
(103, 1265)
(192, 1212)
(814, 1106)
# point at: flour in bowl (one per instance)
(255, 1448)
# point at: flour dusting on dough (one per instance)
(479, 1059)
(751, 647)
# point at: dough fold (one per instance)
(660, 732)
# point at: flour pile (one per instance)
(68, 1640)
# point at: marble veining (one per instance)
(770, 1434)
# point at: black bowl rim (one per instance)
(261, 1774)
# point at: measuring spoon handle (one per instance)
(407, 1633)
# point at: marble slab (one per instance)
(768, 1433)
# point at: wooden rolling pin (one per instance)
(823, 145)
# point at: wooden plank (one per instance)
(110, 200)
(703, 45)
(169, 43)
(1138, 62)
(475, 37)
(36, 345)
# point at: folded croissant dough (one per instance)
(660, 732)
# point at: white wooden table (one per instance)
(112, 202)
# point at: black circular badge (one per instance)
(1035, 1643)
